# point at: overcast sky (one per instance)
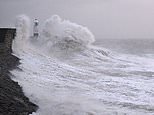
(105, 18)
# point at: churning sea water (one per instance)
(72, 77)
(134, 46)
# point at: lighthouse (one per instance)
(35, 29)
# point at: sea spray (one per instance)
(64, 31)
(58, 37)
(22, 35)
(89, 83)
(62, 36)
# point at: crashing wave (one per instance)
(22, 35)
(57, 37)
(65, 34)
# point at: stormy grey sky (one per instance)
(105, 18)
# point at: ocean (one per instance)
(65, 72)
(134, 46)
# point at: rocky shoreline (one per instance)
(12, 99)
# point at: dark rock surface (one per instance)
(12, 99)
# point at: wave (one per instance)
(22, 34)
(65, 33)
(56, 37)
(85, 79)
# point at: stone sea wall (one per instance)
(12, 98)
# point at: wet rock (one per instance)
(12, 99)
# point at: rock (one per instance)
(12, 99)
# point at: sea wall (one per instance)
(12, 98)
(6, 37)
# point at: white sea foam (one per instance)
(57, 36)
(22, 34)
(64, 32)
(89, 82)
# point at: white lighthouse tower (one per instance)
(35, 29)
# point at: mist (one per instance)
(107, 19)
